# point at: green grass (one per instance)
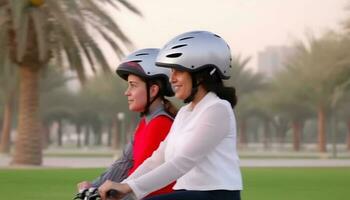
(296, 183)
(259, 183)
(42, 184)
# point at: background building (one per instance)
(273, 58)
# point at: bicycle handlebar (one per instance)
(92, 194)
(112, 193)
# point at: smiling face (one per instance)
(181, 82)
(136, 93)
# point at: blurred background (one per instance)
(61, 104)
(62, 107)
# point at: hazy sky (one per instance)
(247, 25)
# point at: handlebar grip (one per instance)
(112, 193)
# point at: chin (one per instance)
(132, 108)
(179, 96)
(137, 109)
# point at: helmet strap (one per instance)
(149, 101)
(194, 90)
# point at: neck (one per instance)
(156, 103)
(199, 96)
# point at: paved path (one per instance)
(72, 162)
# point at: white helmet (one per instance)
(142, 63)
(193, 51)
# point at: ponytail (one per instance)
(169, 107)
(213, 83)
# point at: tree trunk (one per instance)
(115, 134)
(322, 129)
(296, 126)
(59, 132)
(255, 134)
(348, 136)
(97, 130)
(266, 136)
(78, 129)
(243, 132)
(99, 137)
(109, 132)
(45, 130)
(281, 126)
(280, 137)
(87, 135)
(7, 124)
(28, 148)
(1, 123)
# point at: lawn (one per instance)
(296, 183)
(259, 183)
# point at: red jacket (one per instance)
(146, 141)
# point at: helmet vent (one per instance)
(174, 55)
(178, 46)
(136, 61)
(217, 36)
(186, 38)
(142, 54)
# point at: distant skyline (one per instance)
(247, 25)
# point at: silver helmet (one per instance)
(142, 63)
(193, 51)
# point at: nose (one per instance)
(172, 78)
(127, 92)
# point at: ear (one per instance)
(154, 89)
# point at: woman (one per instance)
(200, 149)
(147, 87)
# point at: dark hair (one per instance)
(169, 107)
(213, 83)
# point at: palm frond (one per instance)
(85, 41)
(3, 43)
(17, 10)
(129, 6)
(65, 31)
(105, 20)
(22, 36)
(41, 37)
(60, 17)
(3, 15)
(112, 42)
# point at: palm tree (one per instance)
(103, 97)
(39, 31)
(343, 112)
(285, 98)
(322, 65)
(7, 122)
(346, 22)
(8, 87)
(345, 108)
(56, 100)
(246, 83)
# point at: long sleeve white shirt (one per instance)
(199, 152)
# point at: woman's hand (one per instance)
(122, 188)
(84, 185)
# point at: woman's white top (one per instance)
(199, 152)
